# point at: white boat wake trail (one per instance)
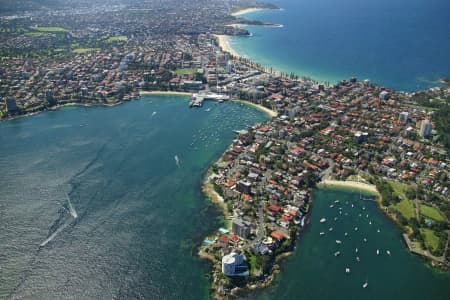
(53, 235)
(72, 210)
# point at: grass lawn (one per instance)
(119, 38)
(181, 71)
(36, 33)
(49, 29)
(431, 240)
(405, 207)
(85, 50)
(431, 212)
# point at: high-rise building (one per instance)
(425, 128)
(241, 228)
(403, 117)
(11, 104)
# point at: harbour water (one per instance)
(105, 203)
(315, 272)
(401, 44)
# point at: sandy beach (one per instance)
(350, 184)
(264, 109)
(225, 45)
(246, 11)
(143, 93)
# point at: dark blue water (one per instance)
(140, 214)
(402, 44)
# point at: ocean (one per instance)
(106, 203)
(400, 44)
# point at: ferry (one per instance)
(322, 220)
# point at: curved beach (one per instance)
(224, 43)
(370, 188)
(264, 109)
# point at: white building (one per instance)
(232, 265)
(425, 128)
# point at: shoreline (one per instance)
(173, 93)
(247, 10)
(365, 187)
(269, 112)
(224, 44)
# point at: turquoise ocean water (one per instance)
(401, 44)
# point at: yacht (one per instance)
(356, 250)
(357, 258)
(338, 242)
(365, 240)
(337, 253)
(365, 284)
(388, 252)
(347, 270)
(346, 234)
(330, 229)
(322, 220)
(378, 252)
(322, 233)
(356, 228)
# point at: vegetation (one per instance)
(405, 208)
(85, 50)
(181, 71)
(50, 29)
(118, 38)
(439, 101)
(431, 239)
(431, 212)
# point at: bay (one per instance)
(314, 272)
(105, 203)
(401, 44)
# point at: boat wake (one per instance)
(53, 235)
(72, 210)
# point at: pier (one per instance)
(197, 99)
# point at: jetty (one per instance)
(197, 99)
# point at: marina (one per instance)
(198, 99)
